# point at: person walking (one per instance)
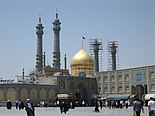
(61, 105)
(29, 108)
(83, 103)
(8, 104)
(16, 104)
(66, 107)
(96, 106)
(126, 104)
(137, 106)
(101, 104)
(151, 107)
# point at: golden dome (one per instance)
(81, 57)
(82, 62)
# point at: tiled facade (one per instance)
(140, 80)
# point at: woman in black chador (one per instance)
(61, 105)
(96, 106)
(29, 108)
(64, 106)
(8, 104)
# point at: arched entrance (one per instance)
(139, 90)
(133, 90)
(81, 92)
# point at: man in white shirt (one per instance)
(151, 107)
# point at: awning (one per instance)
(147, 96)
(132, 96)
(63, 96)
(103, 97)
(118, 97)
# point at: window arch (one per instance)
(126, 78)
(127, 89)
(152, 75)
(112, 79)
(105, 79)
(112, 90)
(105, 90)
(99, 79)
(120, 90)
(61, 85)
(119, 78)
(152, 87)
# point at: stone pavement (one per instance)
(78, 111)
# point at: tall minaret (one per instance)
(113, 53)
(56, 53)
(96, 46)
(39, 55)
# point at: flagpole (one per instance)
(82, 41)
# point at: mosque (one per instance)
(51, 82)
(85, 82)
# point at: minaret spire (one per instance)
(56, 52)
(39, 55)
(56, 13)
(39, 18)
(113, 48)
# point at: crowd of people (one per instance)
(19, 104)
(29, 107)
(65, 105)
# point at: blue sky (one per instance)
(130, 22)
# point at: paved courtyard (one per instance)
(78, 111)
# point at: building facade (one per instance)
(133, 81)
(48, 88)
(21, 91)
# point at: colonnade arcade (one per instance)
(22, 93)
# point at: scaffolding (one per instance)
(96, 49)
(113, 55)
